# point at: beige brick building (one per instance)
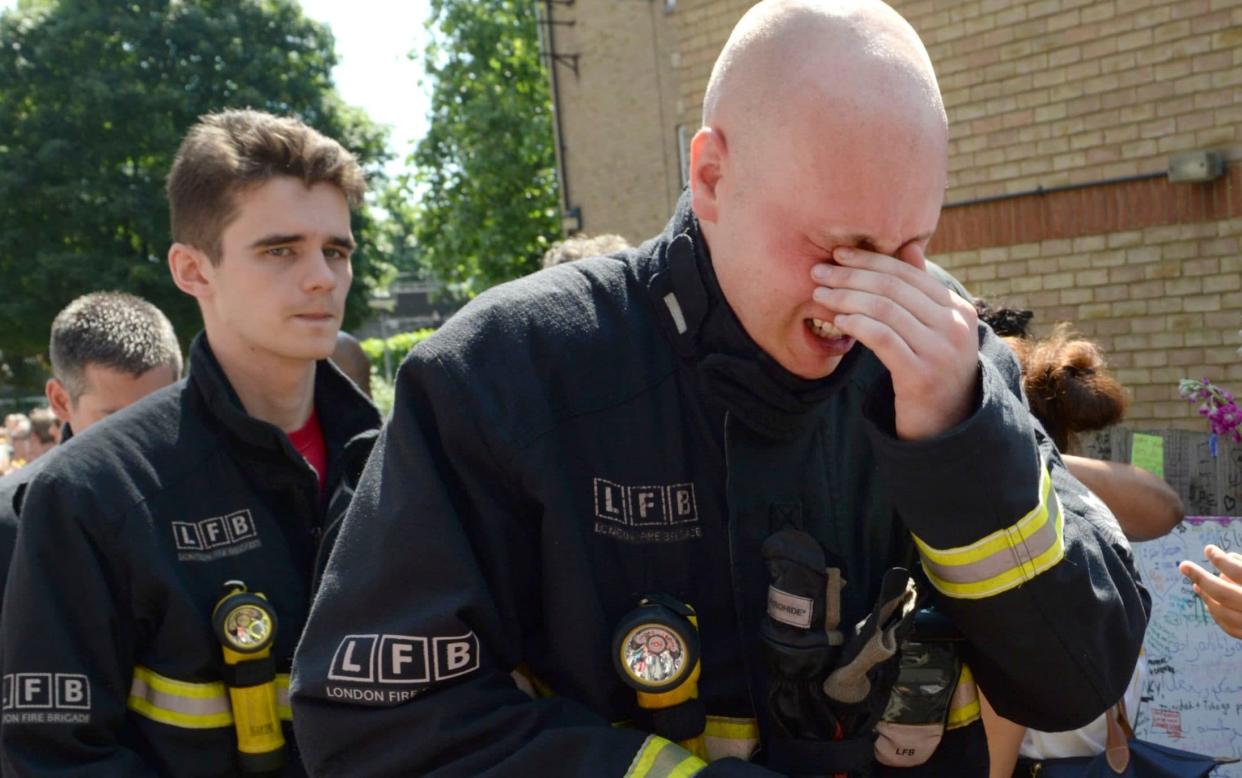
(616, 94)
(1063, 113)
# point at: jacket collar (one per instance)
(704, 330)
(344, 411)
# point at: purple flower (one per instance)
(1217, 405)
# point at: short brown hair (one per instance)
(229, 151)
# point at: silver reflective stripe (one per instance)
(671, 761)
(726, 736)
(1006, 558)
(192, 706)
(674, 308)
(179, 703)
(723, 748)
(1018, 554)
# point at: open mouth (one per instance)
(823, 329)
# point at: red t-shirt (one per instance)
(308, 441)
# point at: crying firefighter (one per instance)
(577, 442)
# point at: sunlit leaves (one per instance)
(485, 172)
(94, 98)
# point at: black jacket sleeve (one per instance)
(1030, 565)
(12, 489)
(66, 642)
(405, 665)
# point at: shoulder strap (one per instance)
(1117, 748)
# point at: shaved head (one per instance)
(823, 127)
(838, 64)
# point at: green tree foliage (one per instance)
(94, 98)
(396, 346)
(386, 355)
(485, 174)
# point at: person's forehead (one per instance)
(874, 209)
(285, 205)
(103, 379)
(865, 184)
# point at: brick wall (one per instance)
(617, 115)
(1053, 92)
(1049, 93)
(702, 27)
(1162, 302)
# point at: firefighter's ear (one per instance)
(707, 161)
(191, 270)
(58, 399)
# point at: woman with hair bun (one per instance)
(1070, 391)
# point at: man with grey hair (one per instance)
(108, 350)
(656, 491)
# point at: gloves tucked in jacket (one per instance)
(825, 695)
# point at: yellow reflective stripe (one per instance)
(192, 705)
(660, 758)
(964, 706)
(997, 541)
(688, 767)
(731, 728)
(646, 756)
(726, 736)
(179, 703)
(1005, 558)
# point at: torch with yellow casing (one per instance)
(656, 652)
(245, 624)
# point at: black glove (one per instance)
(797, 646)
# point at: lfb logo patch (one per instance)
(381, 661)
(217, 537)
(46, 698)
(647, 513)
(63, 691)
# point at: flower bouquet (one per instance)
(1217, 405)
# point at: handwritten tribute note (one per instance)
(1193, 696)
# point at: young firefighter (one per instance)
(765, 414)
(114, 648)
(108, 350)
